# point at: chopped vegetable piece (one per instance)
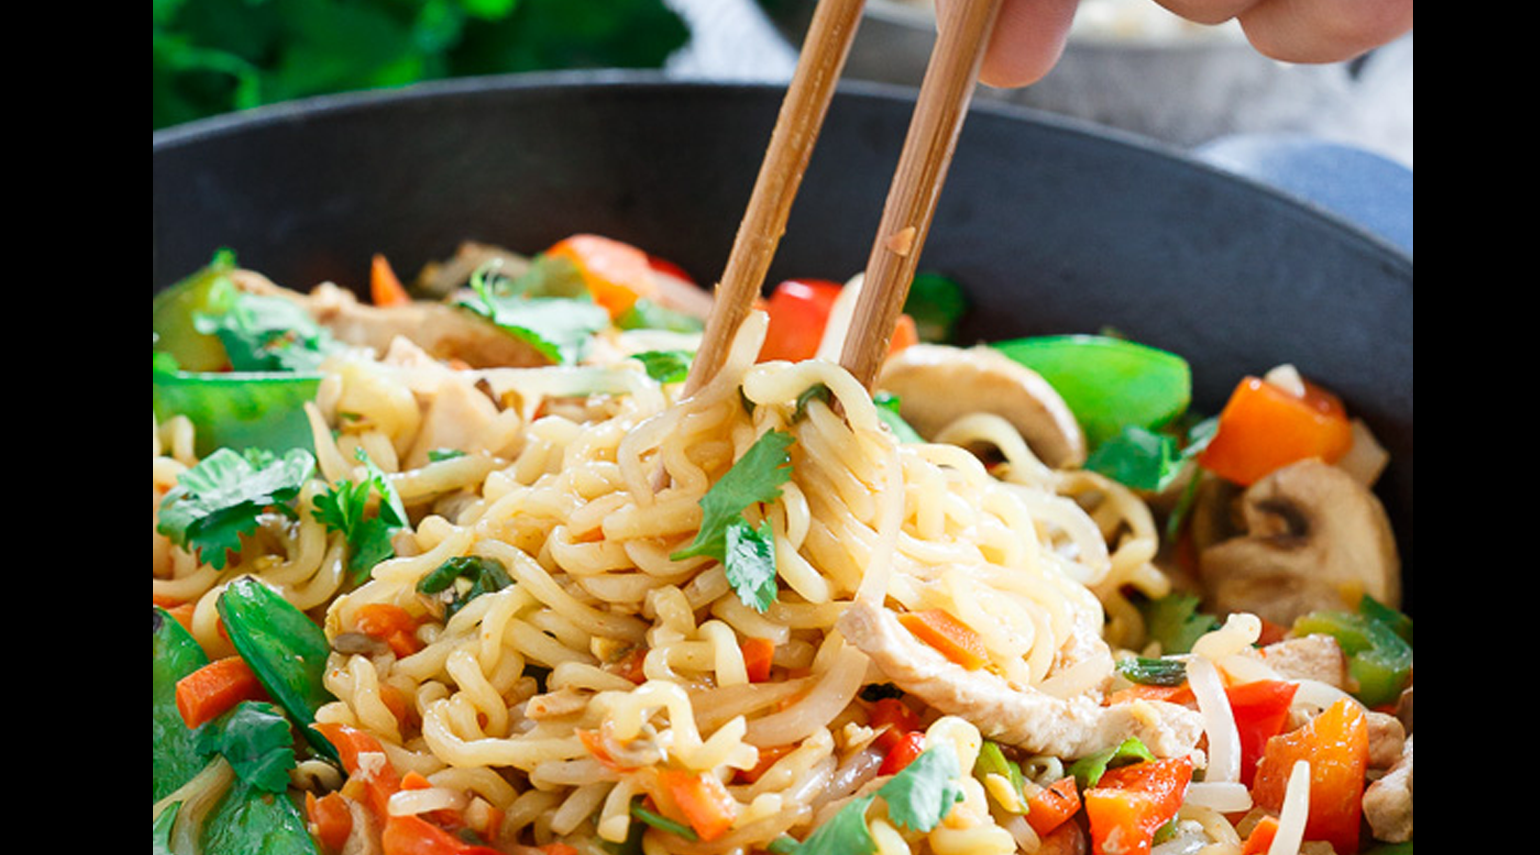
(410, 834)
(661, 822)
(391, 624)
(1109, 383)
(1261, 837)
(1174, 622)
(902, 751)
(481, 575)
(174, 311)
(936, 303)
(757, 656)
(992, 763)
(354, 748)
(703, 799)
(215, 689)
(798, 311)
(1153, 672)
(1379, 660)
(1336, 745)
(956, 640)
(921, 794)
(248, 819)
(330, 820)
(385, 288)
(617, 274)
(1261, 709)
(1049, 807)
(1130, 803)
(892, 718)
(1088, 770)
(1264, 427)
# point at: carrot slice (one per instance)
(385, 288)
(956, 640)
(703, 800)
(757, 656)
(216, 688)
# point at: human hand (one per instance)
(1029, 35)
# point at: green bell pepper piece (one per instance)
(1379, 660)
(1108, 383)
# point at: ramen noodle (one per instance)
(615, 618)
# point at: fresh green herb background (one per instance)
(217, 56)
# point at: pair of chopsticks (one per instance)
(945, 93)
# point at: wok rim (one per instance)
(652, 82)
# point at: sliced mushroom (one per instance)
(1315, 539)
(937, 384)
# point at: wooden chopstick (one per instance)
(945, 94)
(818, 70)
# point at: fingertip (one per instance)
(1027, 40)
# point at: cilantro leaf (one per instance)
(560, 328)
(922, 794)
(262, 333)
(665, 366)
(219, 500)
(258, 741)
(750, 563)
(846, 833)
(1175, 622)
(344, 507)
(747, 554)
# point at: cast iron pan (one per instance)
(1054, 226)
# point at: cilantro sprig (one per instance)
(918, 798)
(747, 553)
(345, 507)
(218, 501)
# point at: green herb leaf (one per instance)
(256, 822)
(1175, 622)
(466, 577)
(888, 406)
(846, 833)
(219, 500)
(749, 560)
(662, 823)
(922, 794)
(345, 507)
(666, 366)
(258, 741)
(558, 327)
(1089, 770)
(756, 477)
(645, 314)
(263, 333)
(1153, 672)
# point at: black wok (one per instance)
(1052, 225)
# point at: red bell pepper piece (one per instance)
(1261, 710)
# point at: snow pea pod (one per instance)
(239, 410)
(174, 755)
(1379, 660)
(284, 647)
(1108, 383)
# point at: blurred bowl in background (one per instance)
(1129, 64)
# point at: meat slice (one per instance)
(1388, 801)
(1023, 717)
(441, 329)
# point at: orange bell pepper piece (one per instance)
(1336, 744)
(617, 274)
(1264, 427)
(1130, 803)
